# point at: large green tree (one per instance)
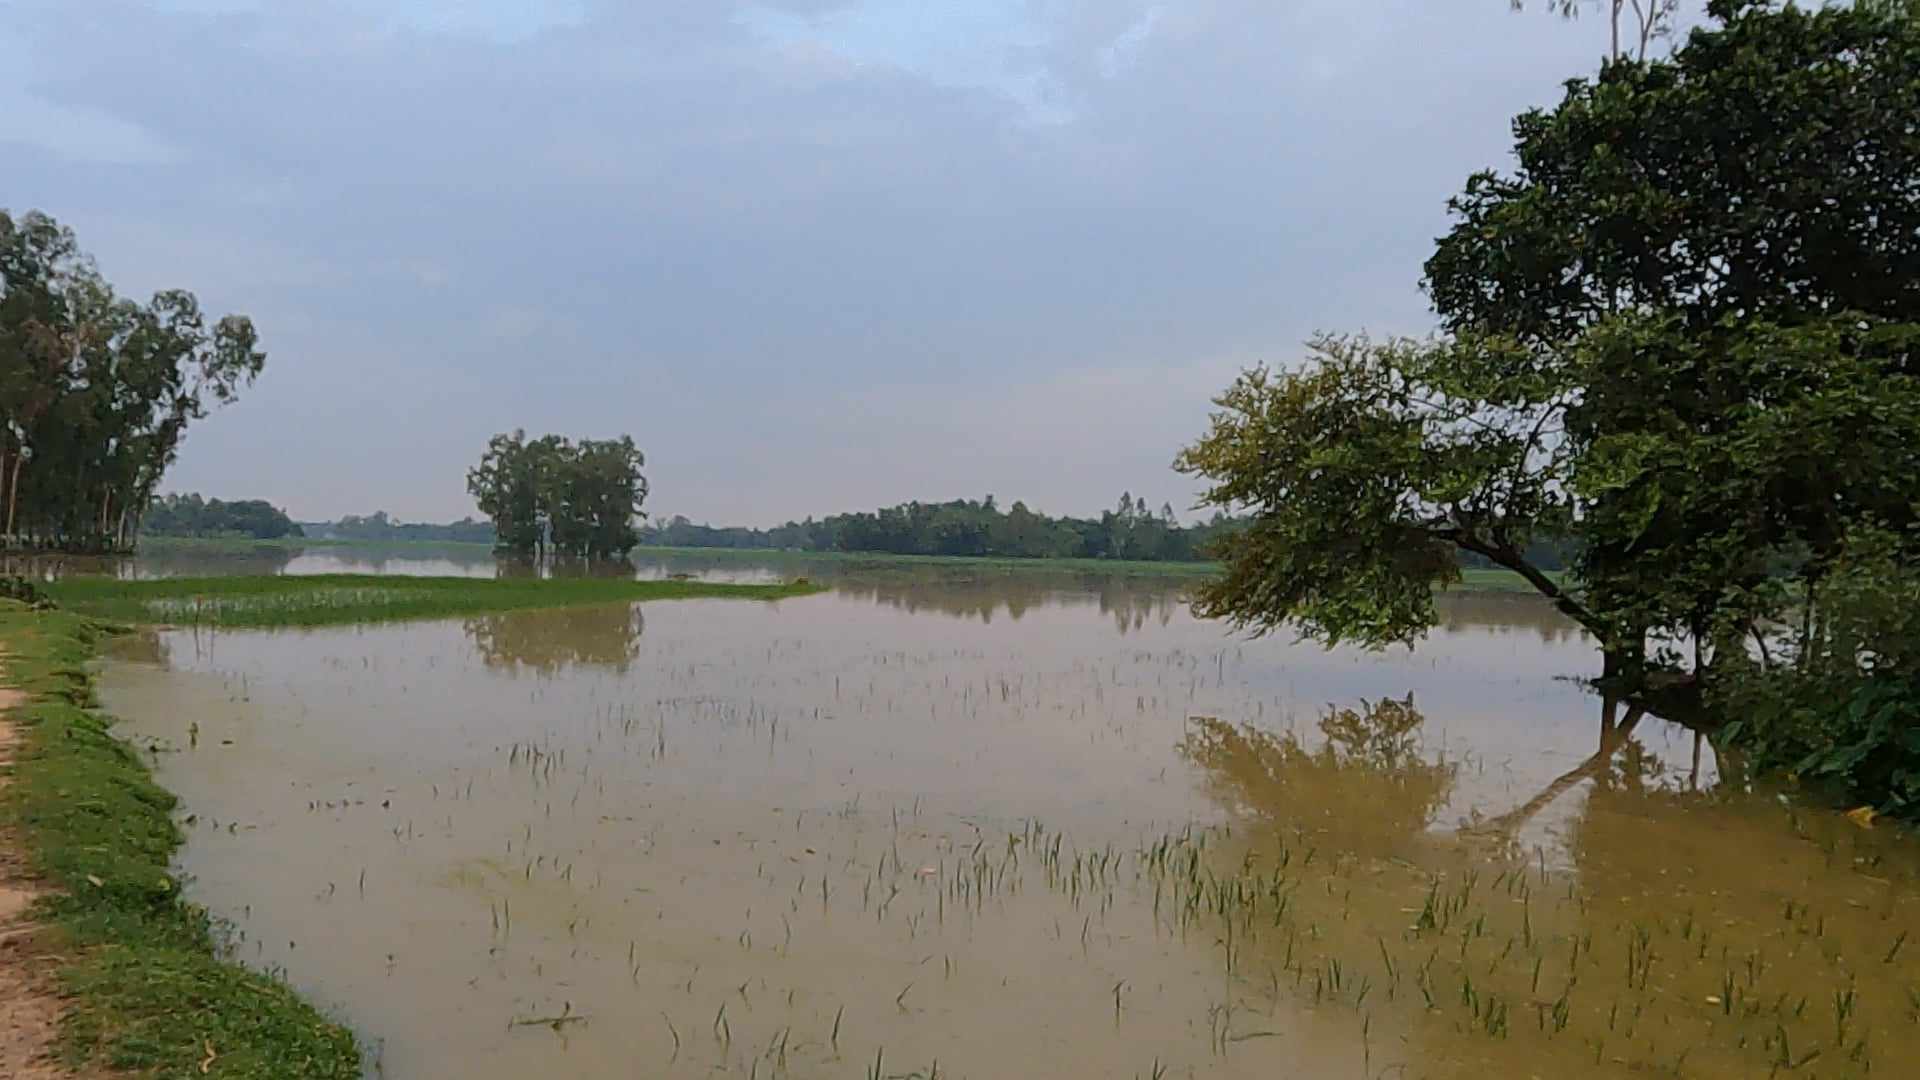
(1682, 334)
(97, 391)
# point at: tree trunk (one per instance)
(13, 487)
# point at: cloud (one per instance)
(779, 243)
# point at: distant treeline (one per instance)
(968, 527)
(191, 515)
(381, 528)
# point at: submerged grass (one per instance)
(147, 988)
(328, 599)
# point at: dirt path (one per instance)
(29, 1009)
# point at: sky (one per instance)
(814, 255)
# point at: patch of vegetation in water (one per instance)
(330, 599)
(147, 988)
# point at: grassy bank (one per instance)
(147, 988)
(326, 599)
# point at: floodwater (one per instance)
(1007, 827)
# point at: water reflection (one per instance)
(1367, 784)
(1706, 933)
(832, 809)
(1131, 603)
(548, 642)
(976, 592)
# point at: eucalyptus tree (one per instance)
(97, 391)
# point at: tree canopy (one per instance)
(1765, 171)
(97, 391)
(554, 496)
(1682, 335)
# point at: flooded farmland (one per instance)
(1006, 827)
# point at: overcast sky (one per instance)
(815, 255)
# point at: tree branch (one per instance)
(1512, 560)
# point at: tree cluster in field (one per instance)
(1683, 341)
(96, 390)
(192, 516)
(553, 496)
(969, 527)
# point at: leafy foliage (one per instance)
(553, 495)
(97, 391)
(1717, 467)
(1363, 474)
(1766, 170)
(1843, 709)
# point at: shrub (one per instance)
(1843, 712)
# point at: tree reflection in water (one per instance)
(1366, 784)
(1713, 933)
(546, 642)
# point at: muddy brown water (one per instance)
(1007, 828)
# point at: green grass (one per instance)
(329, 599)
(147, 989)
